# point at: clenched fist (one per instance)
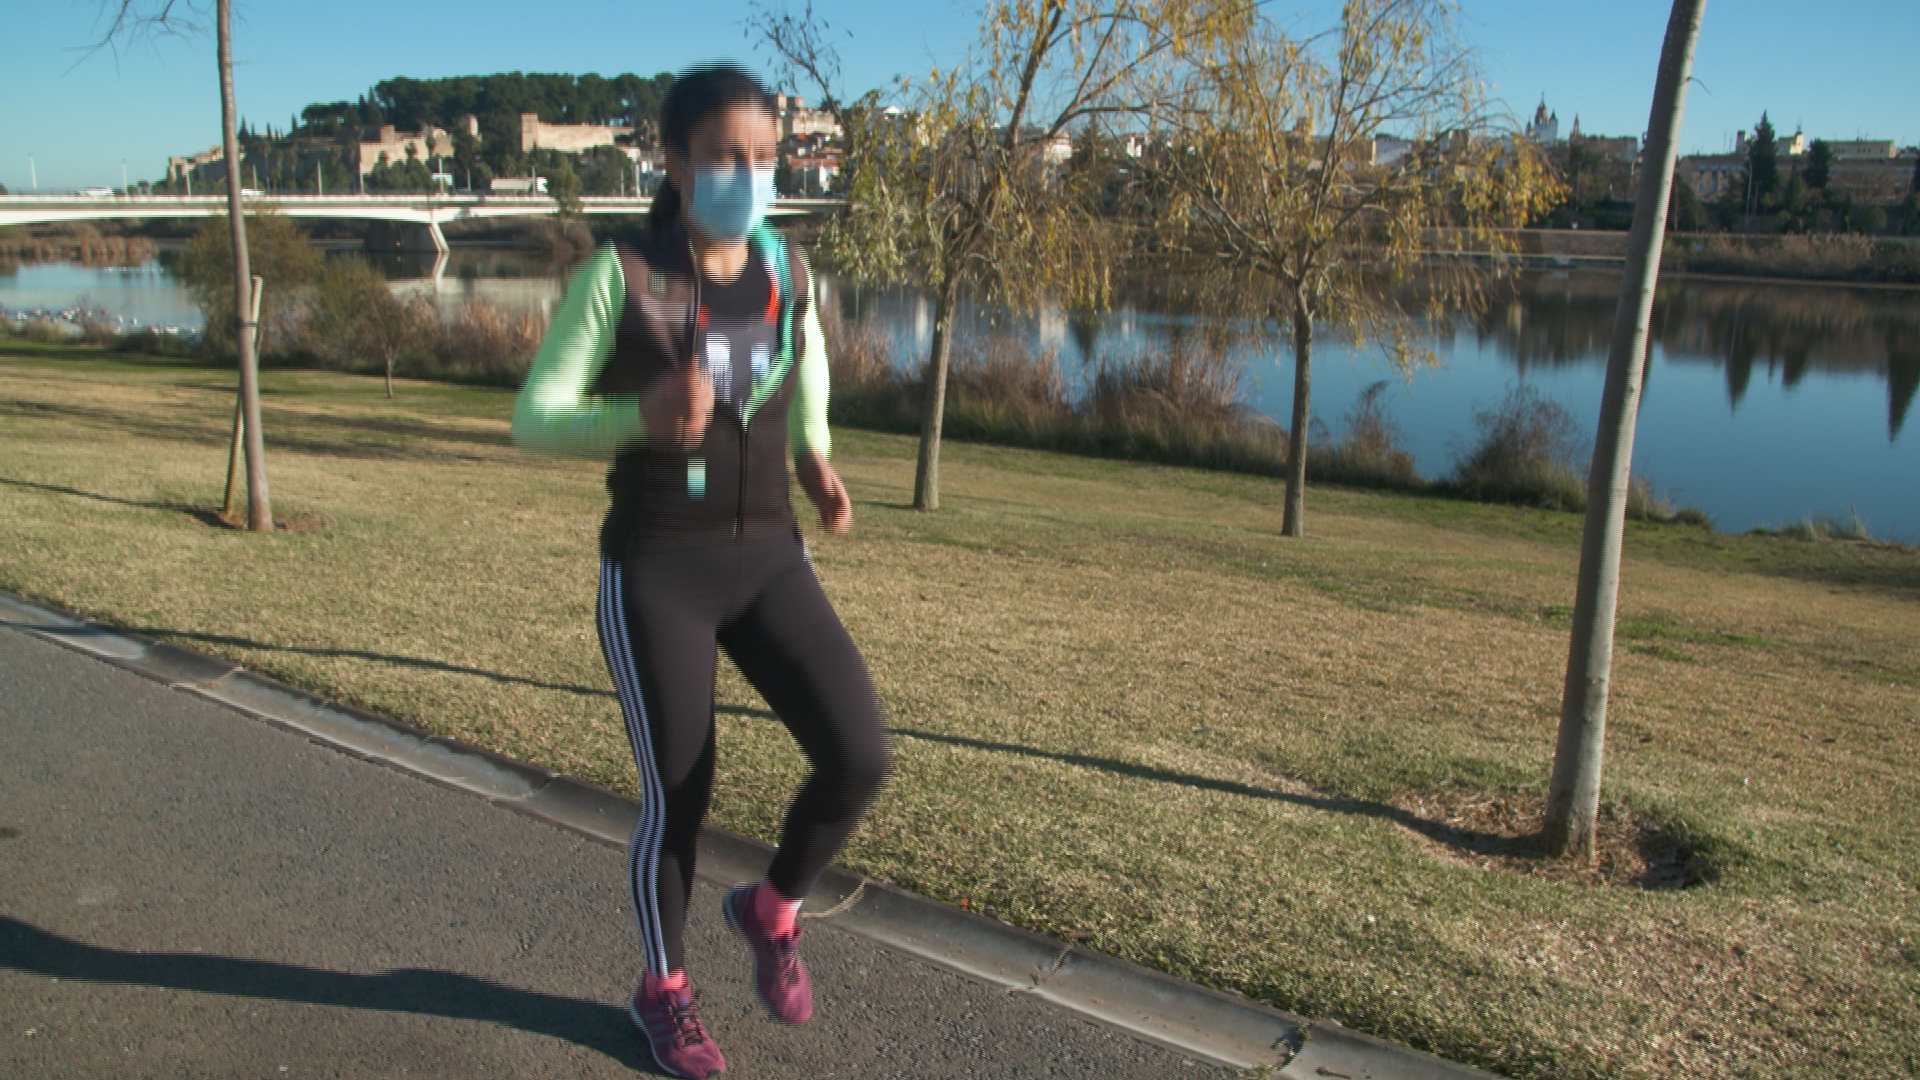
(677, 407)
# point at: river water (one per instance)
(1765, 403)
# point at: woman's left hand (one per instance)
(823, 487)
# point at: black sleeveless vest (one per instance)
(735, 483)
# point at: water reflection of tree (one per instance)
(1739, 368)
(1085, 326)
(1903, 375)
(79, 243)
(1563, 320)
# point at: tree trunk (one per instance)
(236, 464)
(933, 410)
(1294, 521)
(389, 378)
(1573, 799)
(259, 511)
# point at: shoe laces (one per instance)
(786, 958)
(684, 1015)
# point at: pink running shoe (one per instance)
(777, 972)
(671, 1022)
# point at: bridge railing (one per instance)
(397, 199)
(424, 209)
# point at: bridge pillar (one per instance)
(390, 236)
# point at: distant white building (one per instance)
(1545, 127)
(1868, 171)
(1713, 176)
(812, 173)
(1387, 150)
(1861, 149)
(649, 168)
(798, 122)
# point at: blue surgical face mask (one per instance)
(729, 202)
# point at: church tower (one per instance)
(1545, 127)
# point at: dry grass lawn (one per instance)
(1127, 710)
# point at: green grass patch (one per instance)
(1126, 708)
(1663, 652)
(1658, 629)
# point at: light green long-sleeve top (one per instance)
(555, 411)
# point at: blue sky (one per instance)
(1844, 72)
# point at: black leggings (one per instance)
(662, 611)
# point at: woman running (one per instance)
(694, 353)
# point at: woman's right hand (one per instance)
(677, 407)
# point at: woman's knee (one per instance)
(869, 770)
(857, 768)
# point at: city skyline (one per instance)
(80, 115)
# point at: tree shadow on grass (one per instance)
(318, 434)
(58, 489)
(301, 522)
(420, 429)
(421, 662)
(153, 425)
(1330, 803)
(424, 992)
(200, 514)
(1666, 867)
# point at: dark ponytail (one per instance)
(696, 94)
(666, 206)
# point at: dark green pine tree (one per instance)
(1819, 163)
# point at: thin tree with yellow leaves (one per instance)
(970, 184)
(1332, 179)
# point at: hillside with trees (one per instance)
(497, 102)
(1783, 186)
(313, 151)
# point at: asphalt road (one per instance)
(187, 892)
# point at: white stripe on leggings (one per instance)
(643, 852)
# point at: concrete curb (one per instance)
(1219, 1027)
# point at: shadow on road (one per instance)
(590, 1024)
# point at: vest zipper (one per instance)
(740, 497)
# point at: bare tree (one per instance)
(803, 48)
(1573, 799)
(355, 315)
(1302, 176)
(967, 184)
(136, 18)
(391, 328)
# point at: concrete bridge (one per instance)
(428, 212)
